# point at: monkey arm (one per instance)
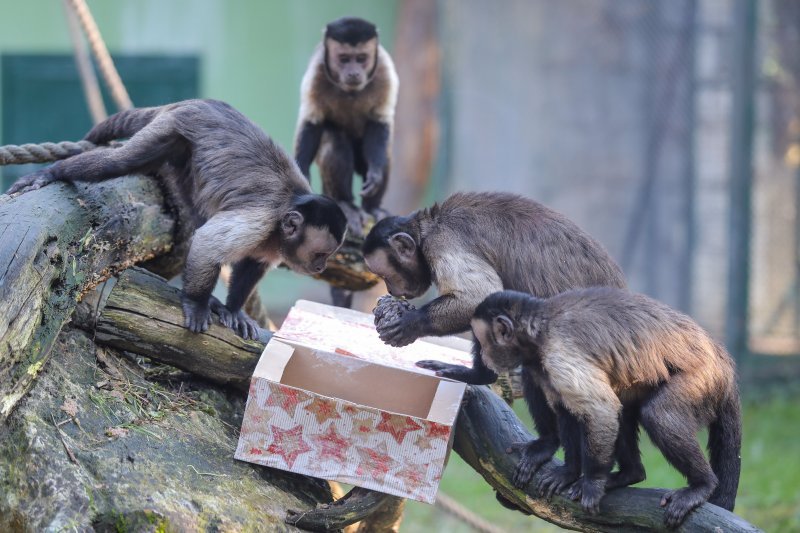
(224, 238)
(308, 140)
(244, 277)
(479, 374)
(376, 154)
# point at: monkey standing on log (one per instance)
(347, 101)
(252, 206)
(598, 351)
(475, 244)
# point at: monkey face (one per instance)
(351, 66)
(304, 248)
(401, 266)
(499, 346)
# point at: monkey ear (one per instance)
(403, 245)
(292, 224)
(503, 330)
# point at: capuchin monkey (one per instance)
(251, 205)
(600, 350)
(347, 101)
(475, 244)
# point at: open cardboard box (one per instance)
(330, 400)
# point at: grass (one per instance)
(769, 490)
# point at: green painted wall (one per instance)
(252, 53)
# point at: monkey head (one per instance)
(351, 53)
(507, 326)
(310, 233)
(392, 250)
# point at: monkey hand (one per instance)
(589, 492)
(196, 315)
(390, 308)
(534, 454)
(31, 182)
(241, 323)
(554, 479)
(403, 329)
(373, 183)
(458, 372)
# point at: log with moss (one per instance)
(485, 429)
(58, 242)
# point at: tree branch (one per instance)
(486, 425)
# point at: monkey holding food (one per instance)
(251, 204)
(470, 246)
(598, 350)
(347, 102)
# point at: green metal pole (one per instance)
(741, 176)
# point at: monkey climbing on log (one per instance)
(251, 205)
(601, 350)
(471, 246)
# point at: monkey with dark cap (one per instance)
(600, 350)
(252, 206)
(347, 101)
(470, 246)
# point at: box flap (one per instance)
(447, 402)
(348, 332)
(273, 360)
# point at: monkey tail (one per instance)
(724, 445)
(121, 125)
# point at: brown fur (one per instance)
(347, 129)
(598, 349)
(249, 200)
(470, 246)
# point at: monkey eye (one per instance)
(344, 59)
(361, 58)
(320, 255)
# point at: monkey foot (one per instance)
(508, 504)
(589, 492)
(534, 454)
(196, 315)
(555, 479)
(31, 182)
(354, 218)
(680, 503)
(628, 476)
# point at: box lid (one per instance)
(348, 332)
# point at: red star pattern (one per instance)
(423, 443)
(435, 430)
(363, 427)
(413, 476)
(397, 426)
(286, 398)
(323, 409)
(331, 445)
(375, 463)
(288, 443)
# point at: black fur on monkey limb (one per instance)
(486, 426)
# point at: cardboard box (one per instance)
(329, 399)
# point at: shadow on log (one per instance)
(145, 318)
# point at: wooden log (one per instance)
(55, 244)
(486, 425)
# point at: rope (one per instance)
(91, 88)
(12, 154)
(104, 62)
(452, 507)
